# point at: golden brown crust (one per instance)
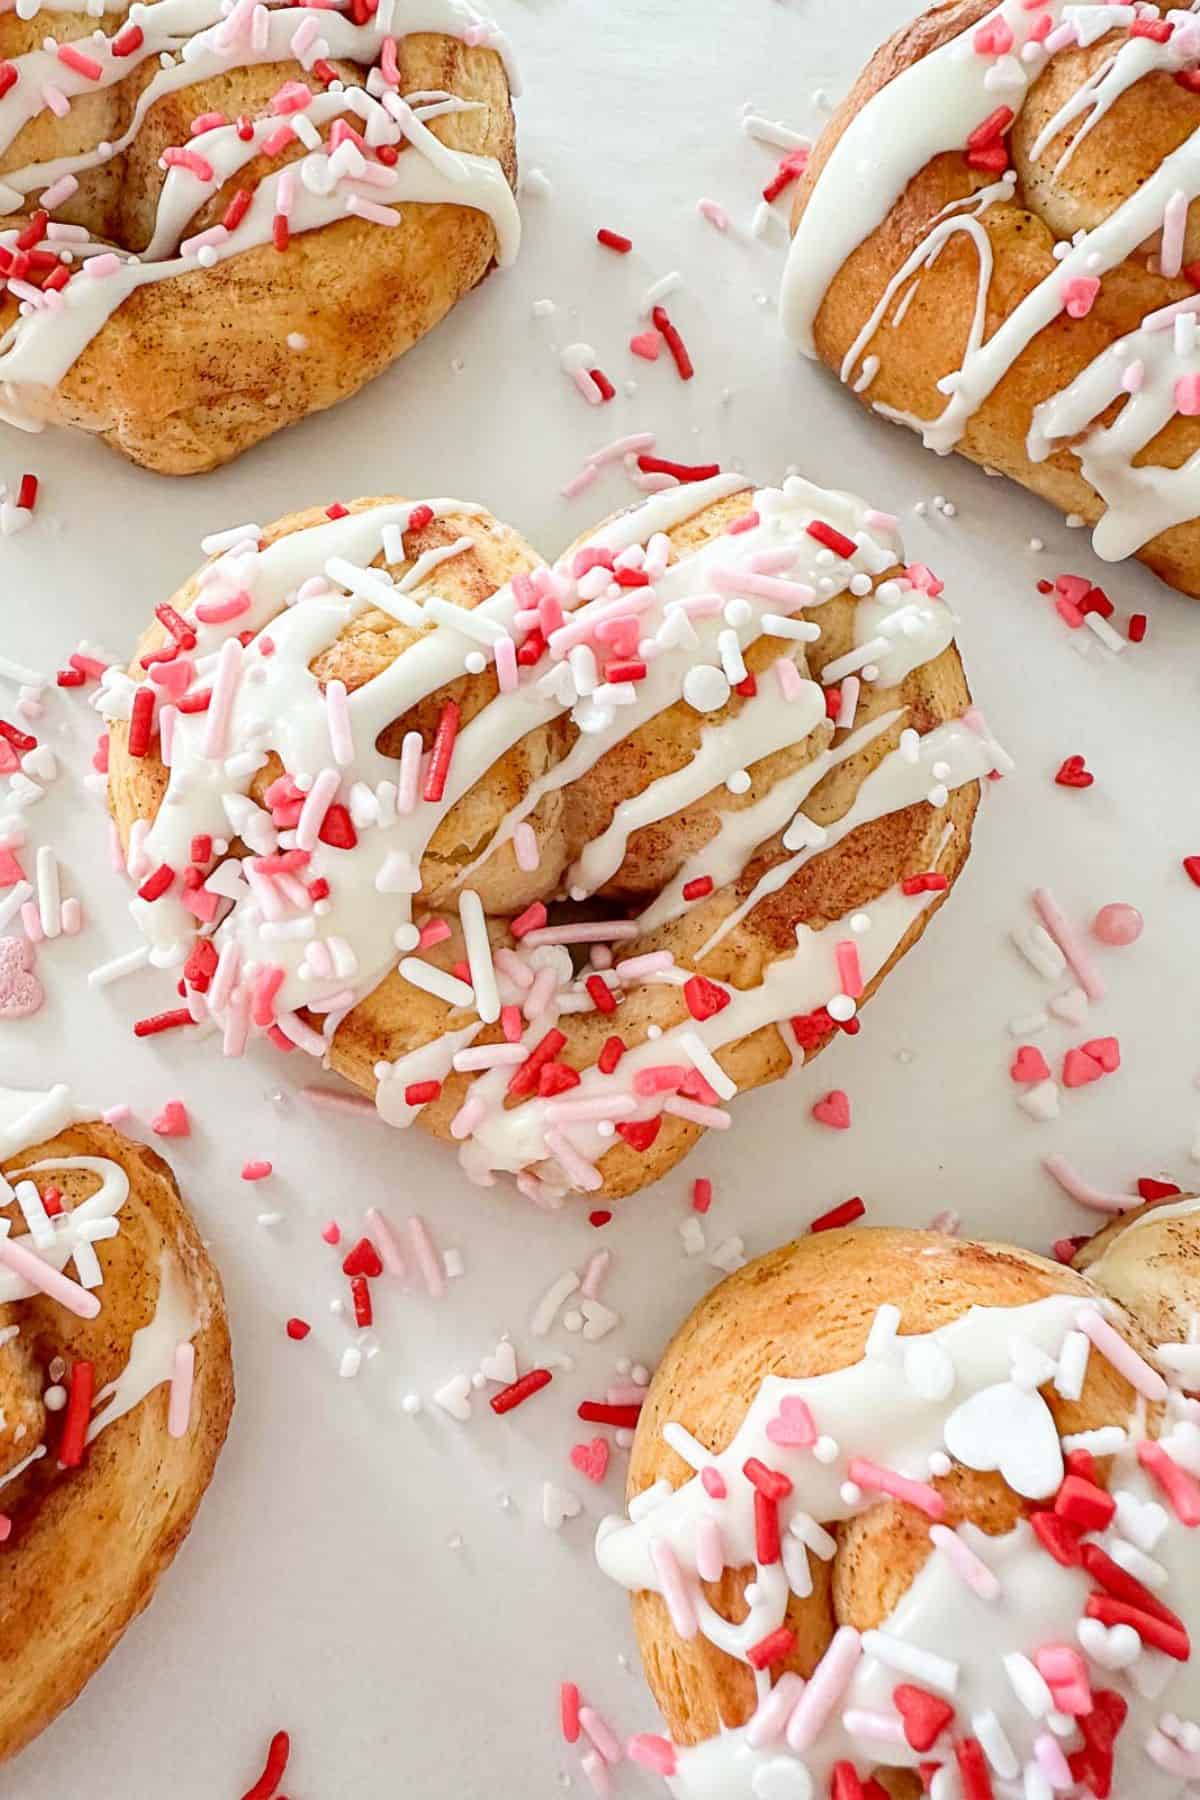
(191, 371)
(801, 1311)
(396, 1018)
(1144, 126)
(88, 1546)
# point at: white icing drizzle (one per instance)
(931, 108)
(958, 1388)
(201, 39)
(691, 616)
(28, 1117)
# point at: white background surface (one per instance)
(320, 1591)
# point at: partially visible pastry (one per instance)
(996, 243)
(216, 219)
(911, 1511)
(116, 1388)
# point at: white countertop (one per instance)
(321, 1592)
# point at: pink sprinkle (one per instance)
(1052, 1762)
(640, 968)
(875, 1478)
(219, 612)
(710, 1550)
(58, 191)
(744, 522)
(1093, 1198)
(116, 1115)
(791, 682)
(373, 212)
(525, 845)
(625, 446)
(59, 105)
(1069, 942)
(713, 1482)
(331, 1231)
(655, 1753)
(1124, 1358)
(577, 1168)
(101, 266)
(593, 1275)
(317, 801)
(587, 387)
(385, 1241)
(963, 1560)
(601, 1733)
(830, 1679)
(49, 1281)
(994, 37)
(712, 1118)
(714, 213)
(73, 58)
(1187, 396)
(609, 931)
(256, 1171)
(179, 1405)
(675, 1591)
(428, 1260)
(506, 665)
(1180, 1488)
(579, 484)
(32, 921)
(1079, 295)
(662, 1078)
(849, 969)
(434, 931)
(774, 1711)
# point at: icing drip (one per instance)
(932, 108)
(30, 1117)
(693, 620)
(962, 1388)
(202, 39)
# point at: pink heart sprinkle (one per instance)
(647, 345)
(1080, 1069)
(591, 1459)
(793, 1425)
(10, 762)
(995, 38)
(21, 993)
(1079, 295)
(833, 1110)
(1029, 1065)
(172, 1121)
(1106, 1051)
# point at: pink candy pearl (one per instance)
(1118, 925)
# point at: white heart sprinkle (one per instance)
(1141, 1521)
(599, 1320)
(1031, 1367)
(557, 1506)
(454, 1397)
(1006, 1428)
(1040, 1102)
(501, 1365)
(1117, 1647)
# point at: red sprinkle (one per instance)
(834, 540)
(773, 1484)
(1057, 1536)
(766, 1529)
(517, 1392)
(164, 1021)
(704, 998)
(27, 493)
(675, 344)
(1172, 1640)
(610, 1055)
(568, 1711)
(790, 169)
(361, 1295)
(156, 885)
(1138, 625)
(601, 1217)
(8, 77)
(701, 1194)
(1192, 866)
(607, 390)
(597, 1412)
(272, 1775)
(602, 995)
(237, 209)
(420, 1093)
(698, 889)
(525, 1078)
(972, 1766)
(845, 1214)
(297, 1329)
(419, 518)
(443, 750)
(658, 465)
(128, 40)
(20, 740)
(612, 240)
(77, 1415)
(925, 884)
(1123, 1586)
(141, 721)
(774, 1648)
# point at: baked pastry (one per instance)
(219, 218)
(994, 243)
(917, 1511)
(441, 737)
(116, 1387)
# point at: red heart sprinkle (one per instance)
(1074, 774)
(833, 1110)
(1107, 1052)
(1080, 1069)
(639, 1134)
(925, 1716)
(363, 1259)
(1029, 1066)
